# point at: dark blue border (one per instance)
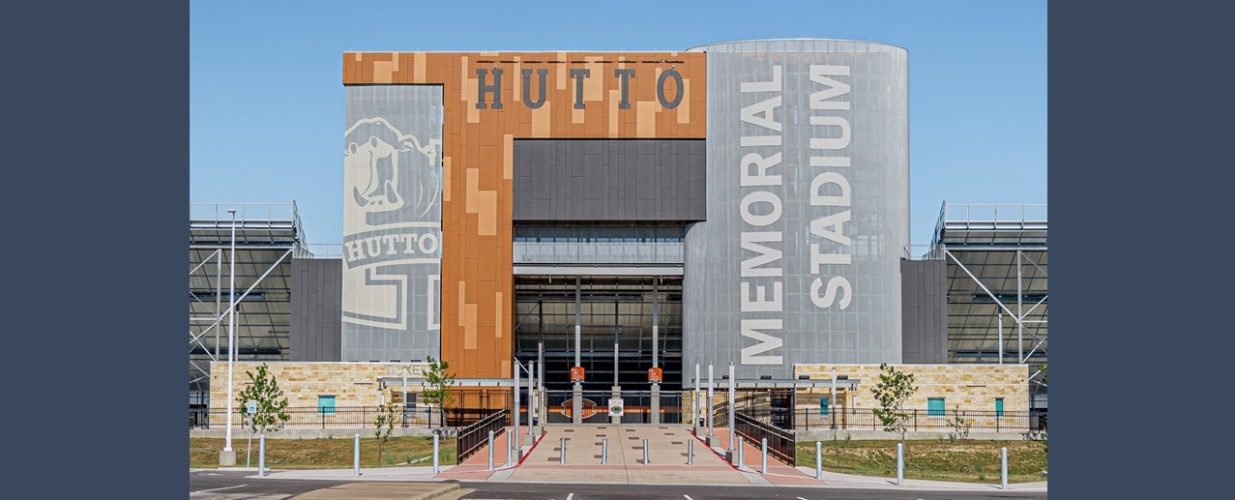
(94, 204)
(96, 186)
(1140, 189)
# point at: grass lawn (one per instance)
(324, 453)
(940, 460)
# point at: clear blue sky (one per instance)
(266, 98)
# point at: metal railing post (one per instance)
(490, 450)
(690, 452)
(1003, 468)
(763, 468)
(356, 455)
(818, 460)
(604, 451)
(561, 457)
(645, 451)
(436, 446)
(900, 464)
(261, 455)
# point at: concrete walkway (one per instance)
(667, 450)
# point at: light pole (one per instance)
(228, 456)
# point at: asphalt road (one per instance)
(232, 485)
(624, 491)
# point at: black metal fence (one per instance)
(949, 421)
(357, 417)
(476, 435)
(637, 407)
(560, 406)
(782, 443)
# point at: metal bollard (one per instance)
(763, 469)
(561, 457)
(690, 452)
(436, 446)
(490, 450)
(1003, 468)
(818, 460)
(261, 455)
(741, 453)
(604, 451)
(900, 464)
(645, 451)
(356, 455)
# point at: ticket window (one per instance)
(396, 398)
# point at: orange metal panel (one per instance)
(476, 252)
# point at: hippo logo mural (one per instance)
(392, 226)
(375, 153)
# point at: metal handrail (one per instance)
(476, 435)
(272, 214)
(1014, 213)
(782, 443)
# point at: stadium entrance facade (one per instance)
(619, 220)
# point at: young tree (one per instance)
(440, 380)
(960, 425)
(271, 411)
(892, 391)
(383, 424)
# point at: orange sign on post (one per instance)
(656, 375)
(576, 374)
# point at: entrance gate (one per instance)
(638, 406)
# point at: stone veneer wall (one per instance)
(971, 386)
(352, 383)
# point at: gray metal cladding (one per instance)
(392, 222)
(612, 180)
(317, 309)
(924, 311)
(807, 207)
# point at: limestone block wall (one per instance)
(351, 383)
(971, 388)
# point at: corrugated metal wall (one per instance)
(924, 309)
(629, 180)
(317, 308)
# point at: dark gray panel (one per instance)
(317, 310)
(609, 180)
(924, 337)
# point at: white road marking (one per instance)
(800, 498)
(688, 497)
(220, 489)
(570, 496)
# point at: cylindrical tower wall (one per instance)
(807, 207)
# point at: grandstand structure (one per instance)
(996, 284)
(268, 237)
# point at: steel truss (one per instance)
(268, 238)
(997, 284)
